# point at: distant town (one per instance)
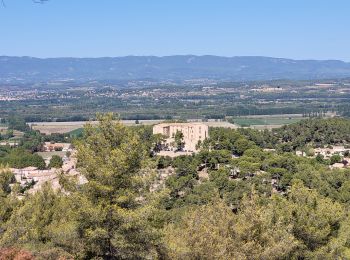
(200, 99)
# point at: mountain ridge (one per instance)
(174, 67)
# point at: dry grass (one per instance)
(50, 129)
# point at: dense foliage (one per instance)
(314, 132)
(20, 158)
(317, 131)
(55, 162)
(232, 200)
(17, 123)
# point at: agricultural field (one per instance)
(75, 127)
(273, 121)
(224, 124)
(59, 128)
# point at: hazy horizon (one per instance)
(170, 55)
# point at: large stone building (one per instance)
(192, 133)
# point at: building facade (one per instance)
(192, 133)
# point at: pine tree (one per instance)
(113, 220)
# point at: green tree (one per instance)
(315, 219)
(113, 221)
(242, 144)
(157, 141)
(6, 178)
(203, 233)
(320, 158)
(55, 162)
(212, 231)
(17, 123)
(20, 158)
(336, 158)
(7, 202)
(179, 140)
(45, 218)
(164, 162)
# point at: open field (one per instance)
(224, 124)
(48, 155)
(272, 121)
(57, 127)
(275, 121)
(263, 127)
(75, 126)
(327, 115)
(66, 127)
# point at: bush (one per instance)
(336, 158)
(56, 162)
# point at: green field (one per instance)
(245, 121)
(76, 132)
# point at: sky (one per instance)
(297, 29)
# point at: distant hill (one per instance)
(170, 67)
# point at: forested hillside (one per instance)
(235, 199)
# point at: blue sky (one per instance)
(300, 29)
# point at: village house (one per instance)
(327, 154)
(329, 151)
(49, 147)
(28, 175)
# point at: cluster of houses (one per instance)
(330, 151)
(32, 178)
(50, 146)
